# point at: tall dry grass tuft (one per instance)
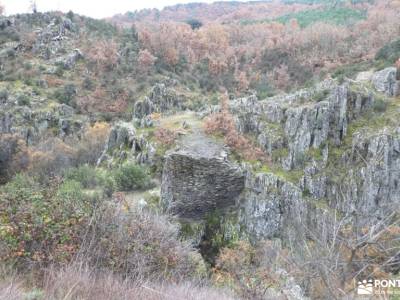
(10, 284)
(78, 281)
(11, 290)
(140, 244)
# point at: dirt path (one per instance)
(195, 140)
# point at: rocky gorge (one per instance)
(325, 160)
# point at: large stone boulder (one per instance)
(199, 180)
(71, 59)
(385, 82)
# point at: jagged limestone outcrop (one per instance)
(386, 81)
(161, 98)
(68, 61)
(124, 143)
(304, 120)
(33, 119)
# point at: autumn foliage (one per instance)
(165, 136)
(222, 123)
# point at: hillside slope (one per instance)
(238, 160)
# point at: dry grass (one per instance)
(11, 290)
(77, 281)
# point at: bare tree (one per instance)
(33, 6)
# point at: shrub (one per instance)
(140, 244)
(79, 281)
(131, 177)
(3, 95)
(66, 95)
(107, 182)
(41, 226)
(50, 158)
(88, 84)
(85, 175)
(92, 143)
(23, 100)
(71, 195)
(14, 156)
(250, 270)
(165, 136)
(222, 123)
(380, 105)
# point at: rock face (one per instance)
(69, 61)
(321, 165)
(124, 143)
(301, 121)
(336, 172)
(385, 81)
(372, 188)
(266, 203)
(32, 121)
(160, 99)
(199, 180)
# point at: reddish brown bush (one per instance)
(222, 123)
(145, 60)
(92, 143)
(165, 136)
(51, 157)
(103, 54)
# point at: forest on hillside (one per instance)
(232, 150)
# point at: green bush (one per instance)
(3, 95)
(107, 182)
(380, 105)
(41, 225)
(389, 53)
(70, 190)
(86, 175)
(23, 100)
(66, 95)
(131, 177)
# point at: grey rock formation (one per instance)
(385, 81)
(33, 121)
(160, 99)
(372, 185)
(69, 61)
(297, 123)
(124, 143)
(121, 135)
